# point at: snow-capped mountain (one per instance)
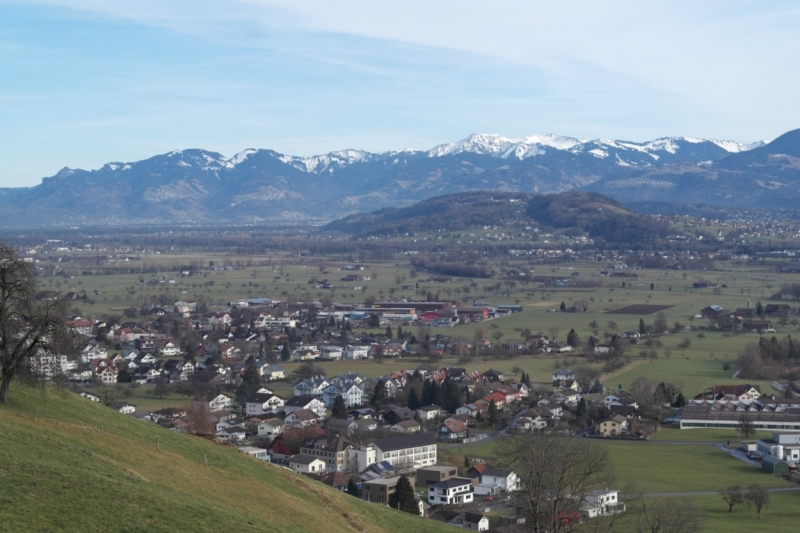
(257, 186)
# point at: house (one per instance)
(454, 491)
(270, 428)
(493, 375)
(220, 402)
(170, 350)
(612, 427)
(379, 490)
(333, 353)
(744, 392)
(533, 419)
(231, 434)
(493, 481)
(124, 407)
(108, 374)
(273, 372)
(306, 464)
(297, 403)
(601, 503)
(452, 430)
(465, 519)
(312, 387)
(398, 414)
(332, 450)
(563, 374)
(91, 397)
(258, 404)
(404, 453)
(356, 352)
(302, 418)
(350, 391)
(406, 426)
(435, 474)
(713, 312)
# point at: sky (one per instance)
(85, 82)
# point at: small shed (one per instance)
(773, 465)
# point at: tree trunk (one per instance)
(4, 386)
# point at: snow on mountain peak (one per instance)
(499, 146)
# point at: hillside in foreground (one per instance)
(79, 466)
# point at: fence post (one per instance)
(36, 412)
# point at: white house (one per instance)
(561, 373)
(170, 350)
(258, 404)
(220, 403)
(429, 412)
(497, 481)
(350, 392)
(454, 491)
(303, 463)
(231, 434)
(332, 352)
(312, 387)
(273, 372)
(602, 503)
(91, 397)
(297, 403)
(270, 428)
(356, 352)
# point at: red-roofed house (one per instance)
(452, 430)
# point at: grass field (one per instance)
(704, 435)
(59, 472)
(781, 515)
(665, 468)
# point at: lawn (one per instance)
(664, 468)
(781, 515)
(79, 466)
(704, 435)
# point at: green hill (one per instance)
(79, 466)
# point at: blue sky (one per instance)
(84, 82)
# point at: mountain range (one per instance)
(190, 187)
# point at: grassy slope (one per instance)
(61, 472)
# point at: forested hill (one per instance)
(450, 213)
(595, 215)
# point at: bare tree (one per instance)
(649, 396)
(29, 327)
(746, 426)
(557, 475)
(108, 395)
(199, 419)
(668, 515)
(758, 497)
(553, 331)
(732, 496)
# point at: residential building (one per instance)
(435, 474)
(497, 481)
(602, 503)
(306, 464)
(429, 412)
(333, 451)
(350, 391)
(379, 490)
(452, 430)
(454, 491)
(270, 428)
(612, 427)
(312, 387)
(302, 418)
(259, 404)
(406, 426)
(296, 403)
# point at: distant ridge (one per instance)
(257, 186)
